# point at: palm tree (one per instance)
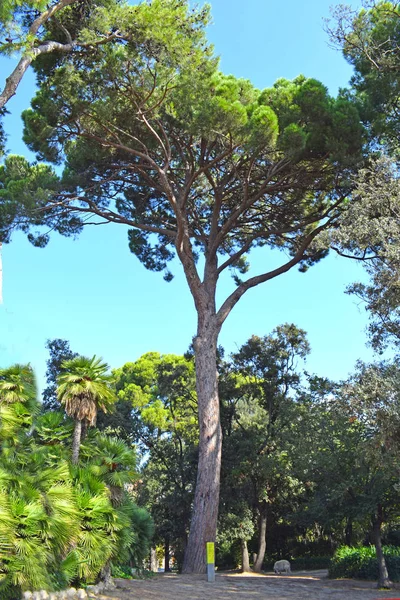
(17, 384)
(18, 402)
(84, 387)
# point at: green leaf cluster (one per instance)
(361, 563)
(60, 524)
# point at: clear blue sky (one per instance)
(97, 295)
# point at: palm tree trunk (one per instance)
(76, 441)
(153, 560)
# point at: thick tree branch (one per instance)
(31, 53)
(230, 302)
(15, 77)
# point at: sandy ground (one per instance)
(310, 585)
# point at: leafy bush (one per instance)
(302, 563)
(310, 563)
(122, 571)
(361, 563)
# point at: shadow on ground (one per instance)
(304, 585)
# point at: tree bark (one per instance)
(262, 537)
(383, 577)
(14, 79)
(166, 555)
(203, 525)
(245, 557)
(153, 560)
(348, 533)
(105, 573)
(76, 441)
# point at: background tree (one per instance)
(207, 163)
(370, 232)
(84, 387)
(348, 458)
(369, 39)
(160, 390)
(256, 462)
(59, 351)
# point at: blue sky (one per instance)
(97, 295)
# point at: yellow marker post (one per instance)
(210, 556)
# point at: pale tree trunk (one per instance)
(14, 79)
(245, 557)
(153, 560)
(262, 537)
(383, 577)
(76, 441)
(203, 525)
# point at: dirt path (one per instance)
(300, 586)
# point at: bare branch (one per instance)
(230, 302)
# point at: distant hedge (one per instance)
(310, 563)
(302, 563)
(361, 563)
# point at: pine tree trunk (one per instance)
(245, 557)
(383, 577)
(262, 537)
(76, 441)
(203, 527)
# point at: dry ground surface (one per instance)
(310, 585)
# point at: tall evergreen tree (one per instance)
(205, 165)
(59, 351)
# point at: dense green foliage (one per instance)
(150, 134)
(59, 351)
(60, 524)
(361, 563)
(369, 40)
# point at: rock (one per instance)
(53, 596)
(110, 585)
(27, 595)
(36, 596)
(71, 593)
(44, 595)
(81, 594)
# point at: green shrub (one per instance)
(310, 563)
(361, 563)
(121, 571)
(301, 563)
